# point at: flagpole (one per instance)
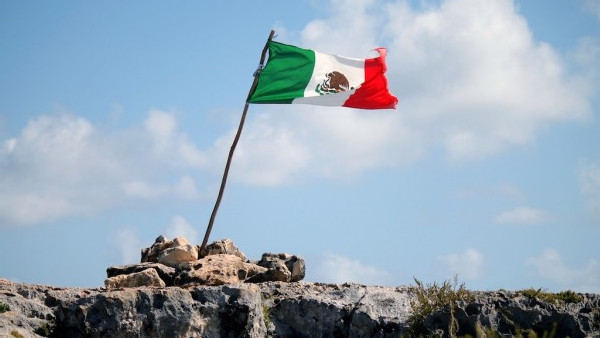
(235, 142)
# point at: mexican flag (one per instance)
(297, 75)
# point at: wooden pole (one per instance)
(234, 145)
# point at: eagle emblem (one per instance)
(334, 82)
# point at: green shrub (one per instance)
(430, 298)
(596, 319)
(4, 308)
(16, 334)
(44, 330)
(563, 296)
(569, 297)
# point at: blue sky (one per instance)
(116, 119)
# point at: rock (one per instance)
(224, 246)
(170, 252)
(281, 267)
(176, 255)
(296, 266)
(166, 273)
(177, 263)
(148, 277)
(216, 270)
(277, 309)
(151, 254)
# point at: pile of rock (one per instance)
(178, 263)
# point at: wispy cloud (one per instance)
(334, 268)
(550, 265)
(593, 6)
(62, 165)
(179, 227)
(523, 215)
(128, 244)
(185, 188)
(589, 180)
(470, 76)
(467, 265)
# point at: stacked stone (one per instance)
(178, 263)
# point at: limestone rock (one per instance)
(151, 254)
(166, 273)
(224, 246)
(216, 270)
(276, 309)
(148, 277)
(176, 255)
(281, 267)
(177, 263)
(296, 266)
(170, 252)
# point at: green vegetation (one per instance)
(44, 330)
(16, 334)
(563, 296)
(266, 316)
(266, 311)
(431, 298)
(4, 308)
(488, 333)
(596, 319)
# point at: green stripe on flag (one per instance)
(286, 74)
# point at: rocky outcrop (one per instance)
(279, 309)
(178, 290)
(177, 263)
(216, 270)
(223, 247)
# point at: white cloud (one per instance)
(469, 75)
(523, 215)
(550, 265)
(593, 6)
(465, 265)
(269, 154)
(334, 268)
(508, 191)
(304, 141)
(171, 143)
(589, 180)
(61, 165)
(179, 227)
(185, 188)
(8, 146)
(47, 169)
(472, 73)
(128, 245)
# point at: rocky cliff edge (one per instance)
(180, 291)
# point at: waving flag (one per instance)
(297, 75)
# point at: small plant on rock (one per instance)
(16, 334)
(430, 298)
(569, 297)
(4, 308)
(596, 319)
(563, 296)
(44, 330)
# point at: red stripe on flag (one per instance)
(374, 92)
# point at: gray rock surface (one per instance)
(280, 267)
(276, 309)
